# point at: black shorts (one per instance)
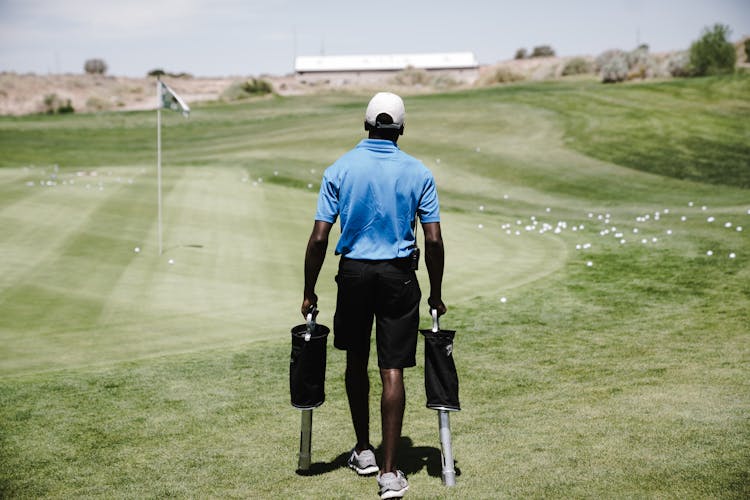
(387, 291)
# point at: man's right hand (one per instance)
(438, 305)
(308, 304)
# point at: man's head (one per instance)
(384, 118)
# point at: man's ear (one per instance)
(368, 127)
(401, 130)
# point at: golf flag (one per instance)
(168, 99)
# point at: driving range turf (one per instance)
(602, 351)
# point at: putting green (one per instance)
(83, 283)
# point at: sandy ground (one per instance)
(22, 94)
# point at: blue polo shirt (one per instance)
(377, 189)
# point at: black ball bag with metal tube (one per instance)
(307, 365)
(440, 376)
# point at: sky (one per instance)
(250, 38)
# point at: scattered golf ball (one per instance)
(739, 228)
(669, 231)
(481, 208)
(710, 253)
(171, 261)
(690, 203)
(480, 226)
(503, 300)
(727, 224)
(309, 186)
(137, 249)
(704, 208)
(683, 218)
(732, 255)
(589, 264)
(710, 219)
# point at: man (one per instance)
(377, 191)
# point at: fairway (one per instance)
(597, 273)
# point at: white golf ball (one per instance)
(727, 224)
(683, 218)
(171, 261)
(690, 203)
(137, 249)
(704, 208)
(739, 228)
(481, 208)
(589, 264)
(732, 255)
(503, 300)
(480, 226)
(710, 219)
(669, 231)
(710, 253)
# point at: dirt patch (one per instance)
(22, 94)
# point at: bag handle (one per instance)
(312, 312)
(435, 321)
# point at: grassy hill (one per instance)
(612, 221)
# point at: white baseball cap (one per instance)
(388, 103)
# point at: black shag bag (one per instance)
(440, 376)
(307, 365)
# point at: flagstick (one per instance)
(158, 160)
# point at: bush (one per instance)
(612, 66)
(411, 76)
(156, 72)
(95, 66)
(248, 88)
(521, 54)
(747, 49)
(713, 54)
(505, 75)
(576, 66)
(678, 64)
(542, 51)
(55, 105)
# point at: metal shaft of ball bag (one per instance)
(444, 425)
(305, 435)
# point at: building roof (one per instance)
(386, 62)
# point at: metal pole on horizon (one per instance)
(158, 159)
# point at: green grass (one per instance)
(125, 376)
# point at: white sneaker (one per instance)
(392, 484)
(364, 462)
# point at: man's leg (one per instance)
(392, 405)
(358, 392)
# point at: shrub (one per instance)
(678, 64)
(505, 75)
(615, 68)
(747, 49)
(576, 66)
(156, 72)
(411, 76)
(521, 54)
(247, 88)
(542, 51)
(55, 105)
(640, 63)
(713, 54)
(95, 66)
